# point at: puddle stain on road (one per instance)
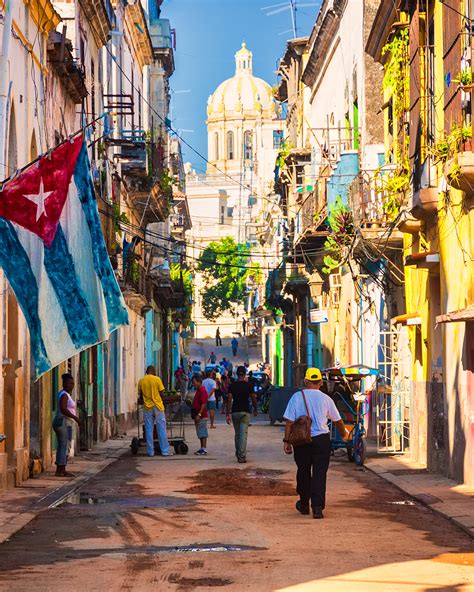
(240, 482)
(164, 502)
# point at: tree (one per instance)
(227, 269)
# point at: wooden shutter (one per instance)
(415, 92)
(452, 62)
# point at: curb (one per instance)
(421, 499)
(56, 497)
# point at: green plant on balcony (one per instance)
(284, 152)
(341, 235)
(118, 218)
(449, 146)
(464, 77)
(394, 186)
(135, 275)
(396, 76)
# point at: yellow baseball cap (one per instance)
(313, 374)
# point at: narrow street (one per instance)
(186, 523)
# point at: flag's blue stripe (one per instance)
(61, 271)
(16, 265)
(116, 312)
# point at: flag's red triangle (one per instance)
(35, 199)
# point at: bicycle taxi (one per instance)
(346, 386)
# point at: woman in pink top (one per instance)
(62, 424)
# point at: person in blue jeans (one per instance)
(62, 424)
(151, 388)
(238, 402)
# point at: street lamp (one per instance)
(315, 283)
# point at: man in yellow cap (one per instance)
(312, 459)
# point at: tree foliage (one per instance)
(227, 270)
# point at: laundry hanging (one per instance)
(53, 254)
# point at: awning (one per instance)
(412, 318)
(423, 260)
(457, 316)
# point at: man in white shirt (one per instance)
(210, 385)
(312, 459)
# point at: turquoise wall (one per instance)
(346, 170)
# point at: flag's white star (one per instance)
(39, 199)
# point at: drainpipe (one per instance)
(4, 84)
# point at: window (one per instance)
(216, 145)
(222, 214)
(230, 145)
(277, 139)
(248, 145)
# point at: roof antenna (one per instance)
(292, 7)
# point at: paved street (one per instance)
(200, 350)
(186, 523)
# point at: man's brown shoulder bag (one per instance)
(300, 430)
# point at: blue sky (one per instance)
(209, 32)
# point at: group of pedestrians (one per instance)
(309, 408)
(238, 395)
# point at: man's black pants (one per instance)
(312, 461)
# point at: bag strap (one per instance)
(305, 404)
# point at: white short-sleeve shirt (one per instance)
(320, 407)
(209, 384)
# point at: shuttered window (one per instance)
(452, 50)
(415, 91)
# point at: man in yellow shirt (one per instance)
(151, 387)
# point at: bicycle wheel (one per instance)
(359, 451)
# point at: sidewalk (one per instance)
(20, 505)
(444, 496)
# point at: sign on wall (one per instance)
(317, 315)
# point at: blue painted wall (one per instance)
(346, 170)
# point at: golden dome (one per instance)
(243, 94)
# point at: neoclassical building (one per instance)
(244, 136)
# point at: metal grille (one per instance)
(393, 396)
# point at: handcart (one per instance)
(175, 427)
(345, 386)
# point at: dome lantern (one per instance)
(243, 61)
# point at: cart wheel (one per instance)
(135, 445)
(181, 448)
(350, 454)
(359, 451)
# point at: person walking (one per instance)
(312, 460)
(151, 389)
(181, 380)
(235, 344)
(240, 393)
(211, 386)
(244, 326)
(212, 358)
(199, 414)
(62, 424)
(218, 337)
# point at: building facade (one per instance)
(103, 67)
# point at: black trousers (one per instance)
(312, 461)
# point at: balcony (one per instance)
(101, 16)
(69, 70)
(163, 42)
(367, 197)
(136, 286)
(310, 230)
(162, 285)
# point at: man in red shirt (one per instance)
(199, 413)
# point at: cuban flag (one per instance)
(53, 254)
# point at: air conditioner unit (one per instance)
(335, 280)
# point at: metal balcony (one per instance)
(69, 70)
